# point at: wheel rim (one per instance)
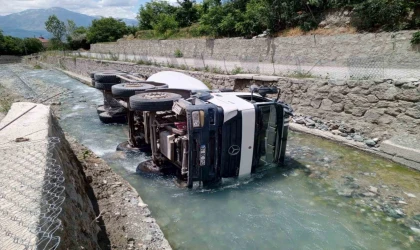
(134, 85)
(156, 95)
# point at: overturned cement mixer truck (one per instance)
(204, 135)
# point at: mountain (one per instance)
(30, 23)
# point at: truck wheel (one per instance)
(129, 89)
(107, 77)
(100, 109)
(105, 85)
(127, 148)
(106, 118)
(92, 74)
(153, 101)
(148, 167)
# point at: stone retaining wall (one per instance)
(310, 49)
(377, 108)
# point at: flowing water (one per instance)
(276, 208)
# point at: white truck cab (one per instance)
(207, 135)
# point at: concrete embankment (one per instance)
(393, 49)
(37, 155)
(63, 195)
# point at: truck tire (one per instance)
(92, 74)
(127, 148)
(153, 101)
(107, 77)
(105, 85)
(100, 109)
(106, 118)
(129, 89)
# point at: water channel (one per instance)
(276, 208)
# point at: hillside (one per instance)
(30, 23)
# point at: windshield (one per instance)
(266, 134)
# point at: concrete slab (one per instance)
(411, 164)
(23, 169)
(242, 76)
(408, 153)
(266, 78)
(83, 79)
(32, 125)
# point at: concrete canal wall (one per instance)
(393, 48)
(50, 176)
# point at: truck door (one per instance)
(270, 134)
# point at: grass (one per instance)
(37, 66)
(237, 70)
(183, 33)
(216, 70)
(208, 84)
(300, 74)
(178, 53)
(190, 32)
(297, 31)
(144, 62)
(5, 101)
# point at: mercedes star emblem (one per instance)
(234, 150)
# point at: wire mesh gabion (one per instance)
(31, 195)
(366, 67)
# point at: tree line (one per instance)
(10, 45)
(66, 35)
(247, 18)
(217, 18)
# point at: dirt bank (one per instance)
(121, 212)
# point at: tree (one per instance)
(78, 38)
(1, 41)
(71, 27)
(165, 23)
(390, 15)
(56, 27)
(254, 20)
(32, 45)
(106, 30)
(149, 13)
(11, 46)
(187, 13)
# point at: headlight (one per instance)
(196, 119)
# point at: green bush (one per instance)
(389, 15)
(217, 18)
(106, 30)
(165, 24)
(416, 38)
(16, 46)
(178, 53)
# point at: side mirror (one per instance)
(254, 88)
(263, 91)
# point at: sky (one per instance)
(114, 8)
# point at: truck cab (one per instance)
(208, 135)
(232, 134)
